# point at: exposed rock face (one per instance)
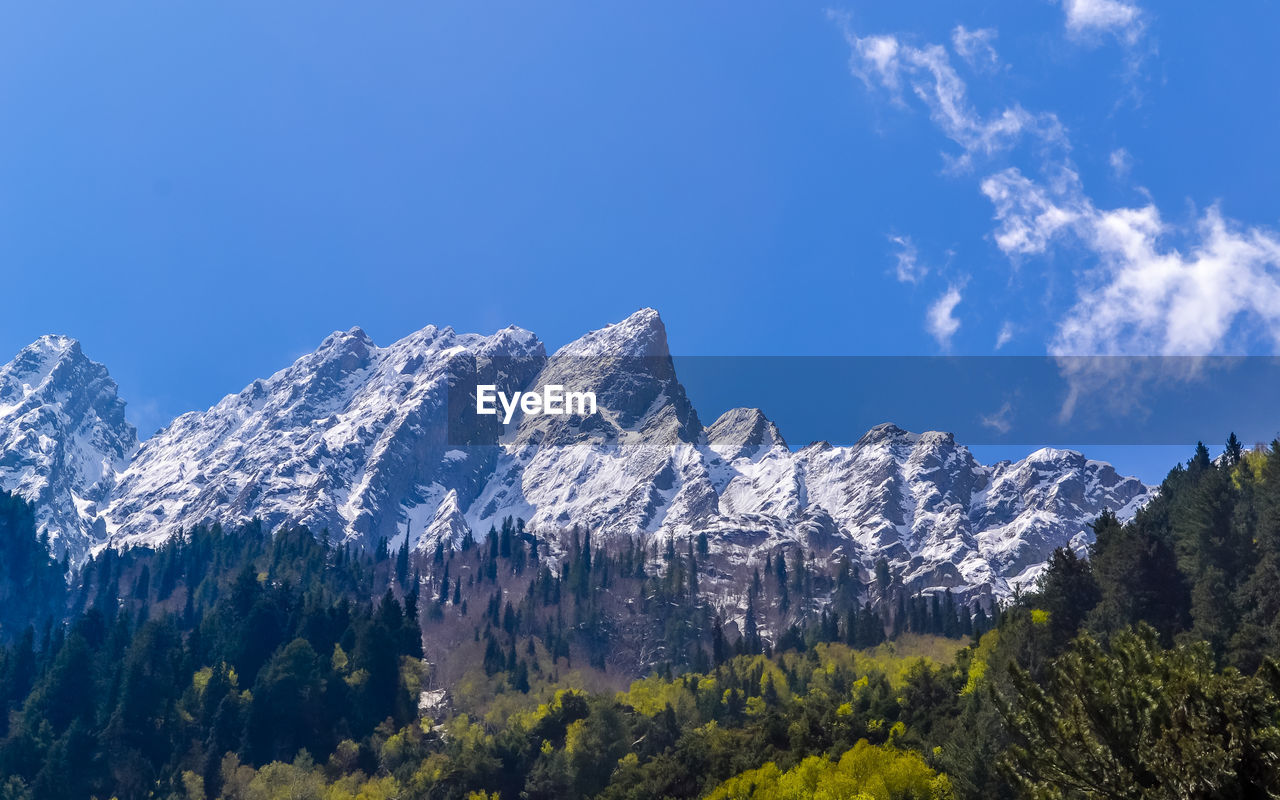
(63, 438)
(624, 469)
(352, 438)
(373, 442)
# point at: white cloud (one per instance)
(975, 47)
(1143, 286)
(1090, 17)
(1142, 294)
(1152, 298)
(1121, 164)
(907, 263)
(880, 54)
(1005, 335)
(941, 321)
(1090, 22)
(1029, 214)
(999, 421)
(889, 63)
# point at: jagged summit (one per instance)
(742, 431)
(49, 347)
(885, 431)
(625, 469)
(448, 526)
(629, 368)
(641, 335)
(63, 438)
(34, 366)
(352, 438)
(352, 343)
(365, 441)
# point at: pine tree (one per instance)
(751, 633)
(1068, 590)
(719, 647)
(780, 575)
(402, 560)
(1132, 720)
(1138, 579)
(1234, 451)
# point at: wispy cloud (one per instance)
(1151, 298)
(1005, 335)
(1000, 420)
(907, 264)
(941, 321)
(1145, 286)
(1153, 288)
(1030, 213)
(1092, 22)
(1121, 164)
(975, 47)
(1088, 18)
(888, 63)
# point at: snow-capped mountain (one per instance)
(923, 503)
(630, 468)
(919, 501)
(63, 439)
(376, 442)
(353, 438)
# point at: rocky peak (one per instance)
(63, 437)
(509, 359)
(353, 438)
(365, 441)
(885, 432)
(743, 432)
(641, 335)
(639, 399)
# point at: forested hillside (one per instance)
(220, 642)
(241, 664)
(32, 586)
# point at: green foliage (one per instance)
(866, 772)
(157, 678)
(831, 720)
(1132, 720)
(32, 583)
(240, 664)
(1138, 577)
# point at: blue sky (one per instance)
(201, 192)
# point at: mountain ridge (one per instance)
(374, 443)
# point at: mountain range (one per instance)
(371, 443)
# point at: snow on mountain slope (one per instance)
(1029, 505)
(375, 442)
(622, 470)
(924, 504)
(919, 501)
(352, 438)
(63, 438)
(447, 526)
(751, 467)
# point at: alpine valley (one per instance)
(343, 583)
(363, 443)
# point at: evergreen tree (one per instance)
(1133, 720)
(1068, 591)
(1138, 579)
